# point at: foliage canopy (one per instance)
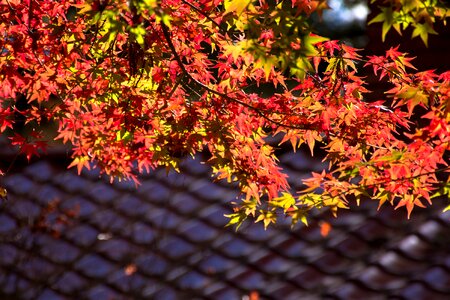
(137, 84)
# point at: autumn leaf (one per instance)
(325, 228)
(386, 16)
(286, 201)
(237, 6)
(80, 163)
(423, 30)
(3, 193)
(236, 219)
(447, 208)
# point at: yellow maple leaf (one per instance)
(237, 6)
(80, 162)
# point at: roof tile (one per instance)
(174, 273)
(38, 269)
(154, 191)
(72, 183)
(10, 283)
(278, 240)
(93, 174)
(173, 180)
(415, 247)
(8, 254)
(103, 193)
(19, 184)
(7, 225)
(237, 248)
(82, 235)
(354, 291)
(102, 292)
(349, 219)
(212, 193)
(373, 232)
(40, 171)
(80, 205)
(167, 240)
(311, 234)
(296, 249)
(395, 263)
(418, 291)
(331, 263)
(250, 280)
(444, 217)
(394, 217)
(281, 290)
(308, 277)
(175, 247)
(94, 266)
(351, 246)
(57, 251)
(131, 284)
(140, 233)
(25, 210)
(152, 264)
(434, 231)
(46, 194)
(123, 185)
(131, 205)
(227, 294)
(193, 280)
(185, 203)
(299, 161)
(198, 232)
(214, 287)
(27, 291)
(258, 233)
(108, 220)
(115, 248)
(195, 167)
(167, 220)
(216, 263)
(438, 278)
(214, 215)
(275, 264)
(50, 295)
(70, 283)
(166, 293)
(377, 279)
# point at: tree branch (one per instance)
(225, 96)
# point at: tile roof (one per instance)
(64, 236)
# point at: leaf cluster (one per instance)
(136, 85)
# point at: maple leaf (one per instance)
(409, 201)
(325, 228)
(237, 6)
(286, 201)
(6, 119)
(80, 162)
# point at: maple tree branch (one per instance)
(174, 88)
(225, 96)
(412, 177)
(383, 181)
(359, 59)
(377, 184)
(30, 16)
